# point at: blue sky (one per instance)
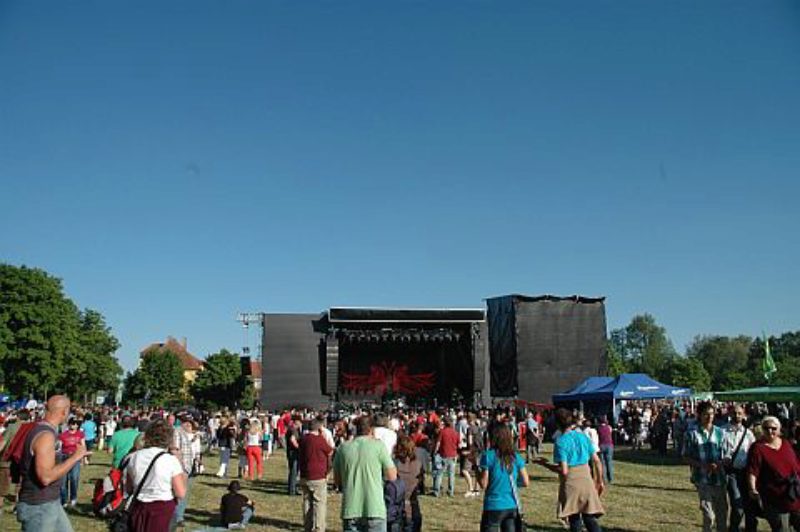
(177, 162)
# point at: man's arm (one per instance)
(45, 458)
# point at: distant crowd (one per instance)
(743, 460)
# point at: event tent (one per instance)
(627, 386)
(764, 394)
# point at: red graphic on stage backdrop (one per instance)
(389, 377)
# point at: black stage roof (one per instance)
(344, 315)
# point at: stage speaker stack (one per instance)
(331, 365)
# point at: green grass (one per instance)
(649, 494)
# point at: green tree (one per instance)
(689, 373)
(97, 347)
(725, 359)
(644, 347)
(221, 382)
(38, 330)
(786, 352)
(616, 364)
(158, 380)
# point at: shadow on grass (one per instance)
(647, 457)
(211, 519)
(646, 487)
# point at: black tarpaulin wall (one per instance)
(502, 346)
(291, 362)
(544, 345)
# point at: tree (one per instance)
(158, 380)
(616, 364)
(786, 352)
(689, 372)
(221, 383)
(38, 330)
(97, 348)
(644, 347)
(724, 358)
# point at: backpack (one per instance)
(15, 448)
(109, 492)
(394, 493)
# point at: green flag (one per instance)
(768, 364)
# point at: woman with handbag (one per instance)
(773, 477)
(155, 478)
(502, 471)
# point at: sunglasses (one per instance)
(771, 428)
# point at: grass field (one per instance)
(649, 493)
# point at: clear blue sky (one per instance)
(176, 162)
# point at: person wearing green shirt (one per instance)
(123, 441)
(359, 469)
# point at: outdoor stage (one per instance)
(432, 356)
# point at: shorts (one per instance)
(5, 481)
(265, 445)
(465, 463)
(89, 445)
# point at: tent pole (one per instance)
(613, 410)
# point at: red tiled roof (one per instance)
(188, 360)
(255, 369)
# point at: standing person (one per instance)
(384, 433)
(38, 508)
(502, 471)
(410, 471)
(531, 437)
(360, 467)
(446, 451)
(226, 437)
(253, 450)
(110, 428)
(314, 463)
(266, 438)
(89, 429)
(70, 439)
(773, 478)
(579, 494)
(605, 438)
(293, 435)
(704, 456)
(154, 507)
(184, 450)
(11, 430)
(123, 441)
(736, 443)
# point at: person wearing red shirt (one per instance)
(773, 477)
(315, 454)
(445, 454)
(70, 439)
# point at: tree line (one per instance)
(710, 363)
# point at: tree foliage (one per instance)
(724, 358)
(689, 372)
(46, 344)
(643, 347)
(157, 381)
(222, 383)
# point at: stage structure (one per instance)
(371, 354)
(542, 345)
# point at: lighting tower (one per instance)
(246, 319)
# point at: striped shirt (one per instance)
(706, 448)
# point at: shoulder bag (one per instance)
(122, 520)
(519, 521)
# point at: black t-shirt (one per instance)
(231, 508)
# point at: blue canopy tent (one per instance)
(628, 386)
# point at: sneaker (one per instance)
(73, 503)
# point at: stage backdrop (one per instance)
(291, 362)
(539, 346)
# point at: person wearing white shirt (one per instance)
(736, 442)
(166, 481)
(384, 433)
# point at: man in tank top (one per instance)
(39, 507)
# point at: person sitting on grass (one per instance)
(235, 509)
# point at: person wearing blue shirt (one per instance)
(502, 470)
(89, 429)
(579, 494)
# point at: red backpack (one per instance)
(108, 493)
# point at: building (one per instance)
(191, 364)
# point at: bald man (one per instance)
(39, 507)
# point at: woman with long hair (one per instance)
(773, 477)
(410, 471)
(578, 494)
(166, 482)
(253, 450)
(502, 471)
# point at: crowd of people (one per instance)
(379, 461)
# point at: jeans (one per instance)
(781, 522)
(180, 508)
(315, 500)
(247, 514)
(448, 465)
(607, 458)
(49, 516)
(69, 487)
(293, 460)
(577, 521)
(736, 499)
(365, 524)
(499, 521)
(714, 505)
